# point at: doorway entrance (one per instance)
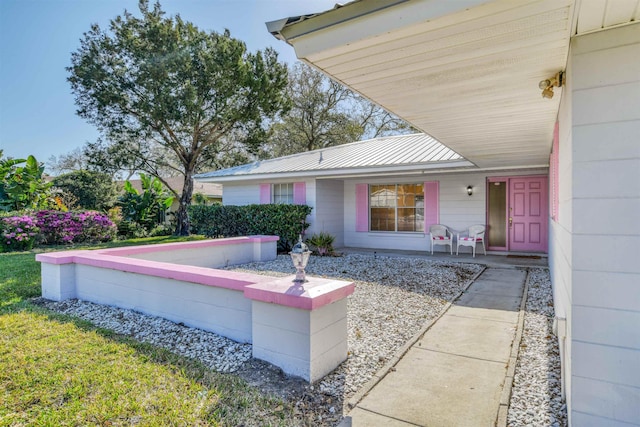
(517, 213)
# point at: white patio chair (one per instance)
(440, 235)
(475, 235)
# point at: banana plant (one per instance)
(147, 208)
(22, 184)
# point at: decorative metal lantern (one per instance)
(300, 257)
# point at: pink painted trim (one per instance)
(116, 259)
(431, 203)
(66, 257)
(316, 293)
(265, 194)
(164, 247)
(185, 273)
(362, 207)
(299, 193)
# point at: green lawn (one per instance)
(56, 370)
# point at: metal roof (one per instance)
(415, 151)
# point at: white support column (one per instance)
(303, 330)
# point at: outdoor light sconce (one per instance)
(469, 190)
(547, 85)
(300, 257)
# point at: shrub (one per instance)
(92, 190)
(74, 227)
(286, 221)
(18, 233)
(321, 243)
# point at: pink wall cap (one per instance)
(315, 293)
(185, 273)
(262, 238)
(164, 247)
(64, 257)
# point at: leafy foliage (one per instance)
(144, 209)
(168, 96)
(286, 221)
(93, 190)
(321, 243)
(48, 227)
(324, 113)
(22, 185)
(58, 228)
(18, 233)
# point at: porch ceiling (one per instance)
(465, 72)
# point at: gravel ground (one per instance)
(394, 298)
(536, 395)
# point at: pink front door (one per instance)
(528, 214)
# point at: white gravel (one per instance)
(394, 298)
(536, 394)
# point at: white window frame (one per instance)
(395, 230)
(278, 197)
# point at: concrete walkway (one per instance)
(454, 374)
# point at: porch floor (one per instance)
(492, 259)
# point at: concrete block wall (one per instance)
(301, 329)
(208, 253)
(223, 311)
(310, 344)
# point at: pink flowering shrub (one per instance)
(74, 227)
(18, 233)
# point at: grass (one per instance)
(57, 370)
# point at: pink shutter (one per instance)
(431, 204)
(299, 193)
(265, 194)
(362, 207)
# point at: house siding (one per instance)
(458, 210)
(604, 356)
(560, 232)
(329, 208)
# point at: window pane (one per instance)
(406, 219)
(383, 196)
(283, 193)
(397, 207)
(383, 219)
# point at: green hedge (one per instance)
(286, 221)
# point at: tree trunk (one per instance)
(182, 227)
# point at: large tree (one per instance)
(168, 95)
(325, 113)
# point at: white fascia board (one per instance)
(328, 173)
(362, 20)
(453, 167)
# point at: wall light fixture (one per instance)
(548, 84)
(469, 190)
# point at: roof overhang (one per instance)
(466, 72)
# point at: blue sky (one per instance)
(37, 110)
